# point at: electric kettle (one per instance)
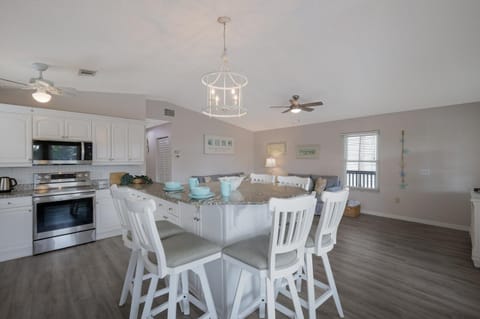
(7, 184)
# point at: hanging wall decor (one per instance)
(403, 184)
(218, 145)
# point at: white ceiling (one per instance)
(360, 57)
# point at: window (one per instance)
(361, 160)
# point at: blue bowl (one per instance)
(172, 185)
(200, 190)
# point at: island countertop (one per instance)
(246, 194)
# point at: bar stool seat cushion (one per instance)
(254, 252)
(184, 248)
(326, 242)
(165, 229)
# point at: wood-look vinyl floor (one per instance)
(383, 268)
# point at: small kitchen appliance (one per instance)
(7, 184)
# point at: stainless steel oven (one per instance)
(63, 211)
(62, 152)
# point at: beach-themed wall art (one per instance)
(218, 144)
(276, 149)
(310, 151)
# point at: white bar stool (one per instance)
(295, 181)
(323, 242)
(262, 178)
(274, 257)
(165, 229)
(171, 257)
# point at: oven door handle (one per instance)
(55, 198)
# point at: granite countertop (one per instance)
(20, 190)
(246, 194)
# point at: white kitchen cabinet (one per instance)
(16, 227)
(50, 127)
(107, 220)
(136, 142)
(15, 139)
(118, 142)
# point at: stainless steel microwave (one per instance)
(62, 153)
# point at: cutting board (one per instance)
(115, 177)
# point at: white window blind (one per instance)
(361, 160)
(163, 160)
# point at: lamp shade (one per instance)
(270, 162)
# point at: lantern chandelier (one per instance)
(224, 87)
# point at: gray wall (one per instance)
(130, 106)
(442, 142)
(188, 129)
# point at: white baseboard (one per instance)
(109, 233)
(16, 252)
(417, 220)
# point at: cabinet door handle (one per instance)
(29, 210)
(170, 209)
(160, 205)
(9, 203)
(166, 217)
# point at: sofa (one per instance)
(214, 178)
(333, 185)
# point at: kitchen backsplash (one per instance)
(24, 175)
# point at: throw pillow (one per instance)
(320, 185)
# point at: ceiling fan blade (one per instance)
(54, 90)
(68, 91)
(308, 109)
(286, 111)
(312, 104)
(277, 107)
(10, 83)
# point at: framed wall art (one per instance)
(310, 151)
(276, 149)
(218, 145)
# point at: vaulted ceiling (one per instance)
(360, 57)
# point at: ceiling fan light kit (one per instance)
(41, 96)
(224, 87)
(297, 107)
(43, 88)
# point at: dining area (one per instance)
(233, 250)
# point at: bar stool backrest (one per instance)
(262, 178)
(292, 220)
(145, 235)
(332, 212)
(301, 182)
(122, 212)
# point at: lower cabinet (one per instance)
(16, 228)
(107, 220)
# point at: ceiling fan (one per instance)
(296, 107)
(43, 87)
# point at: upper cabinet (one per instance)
(115, 141)
(15, 138)
(136, 142)
(61, 128)
(118, 142)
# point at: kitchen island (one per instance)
(244, 214)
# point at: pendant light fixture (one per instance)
(224, 87)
